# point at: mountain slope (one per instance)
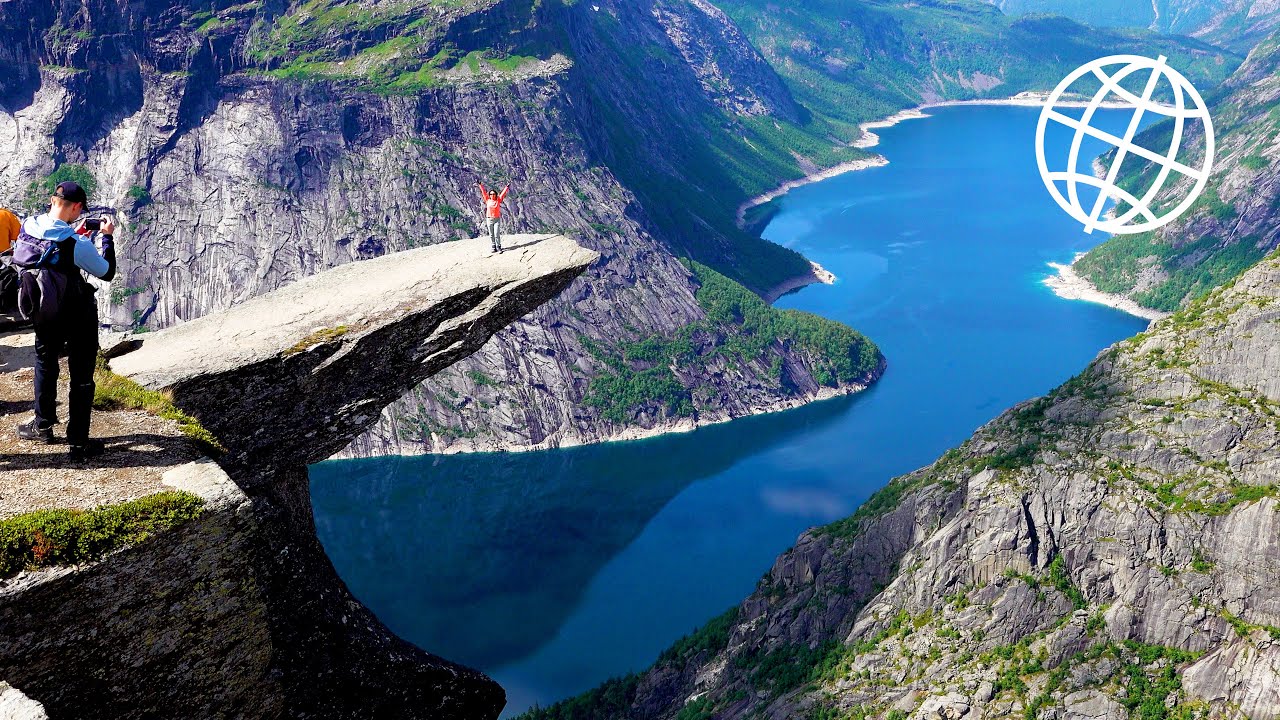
(1109, 550)
(255, 143)
(855, 62)
(1232, 225)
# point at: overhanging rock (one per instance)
(290, 377)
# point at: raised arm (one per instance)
(484, 194)
(503, 195)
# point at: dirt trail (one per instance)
(34, 476)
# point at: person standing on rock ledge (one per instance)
(493, 213)
(61, 302)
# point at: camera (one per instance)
(93, 225)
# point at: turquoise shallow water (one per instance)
(553, 571)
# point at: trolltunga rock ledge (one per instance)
(285, 380)
(290, 377)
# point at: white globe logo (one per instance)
(1128, 222)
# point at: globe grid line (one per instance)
(1175, 144)
(1078, 139)
(1182, 89)
(1121, 142)
(1123, 150)
(1109, 85)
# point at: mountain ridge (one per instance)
(361, 130)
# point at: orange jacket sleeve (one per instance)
(484, 194)
(503, 196)
(9, 229)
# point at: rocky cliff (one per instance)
(1106, 551)
(252, 144)
(255, 144)
(237, 612)
(1232, 225)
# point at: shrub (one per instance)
(66, 537)
(38, 193)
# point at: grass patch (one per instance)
(1255, 162)
(612, 699)
(1060, 579)
(318, 337)
(839, 353)
(116, 392)
(47, 538)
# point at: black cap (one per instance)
(71, 192)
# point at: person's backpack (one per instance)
(8, 283)
(42, 289)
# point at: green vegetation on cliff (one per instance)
(1226, 230)
(740, 328)
(391, 49)
(37, 199)
(1190, 270)
(113, 392)
(46, 538)
(853, 62)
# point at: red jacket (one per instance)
(493, 208)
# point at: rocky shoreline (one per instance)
(817, 275)
(783, 189)
(1068, 284)
(632, 433)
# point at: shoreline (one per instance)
(629, 434)
(1068, 284)
(869, 139)
(818, 275)
(783, 189)
(1031, 98)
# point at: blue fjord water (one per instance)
(553, 571)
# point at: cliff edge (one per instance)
(238, 612)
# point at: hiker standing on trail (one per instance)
(54, 293)
(493, 214)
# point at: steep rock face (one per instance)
(239, 612)
(1109, 549)
(288, 379)
(244, 166)
(1232, 225)
(1230, 23)
(187, 611)
(1239, 23)
(738, 79)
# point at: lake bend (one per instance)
(554, 570)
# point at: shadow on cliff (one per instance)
(123, 451)
(482, 558)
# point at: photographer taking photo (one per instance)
(50, 255)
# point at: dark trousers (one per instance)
(76, 334)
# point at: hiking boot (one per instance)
(91, 447)
(30, 431)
